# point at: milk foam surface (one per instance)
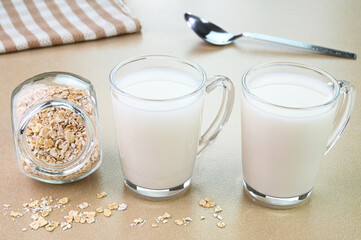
(290, 90)
(158, 83)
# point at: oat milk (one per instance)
(158, 140)
(282, 148)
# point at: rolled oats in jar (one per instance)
(56, 127)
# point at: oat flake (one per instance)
(63, 201)
(84, 205)
(122, 206)
(113, 206)
(99, 210)
(221, 224)
(107, 212)
(101, 195)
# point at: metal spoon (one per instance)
(217, 36)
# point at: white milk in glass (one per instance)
(282, 148)
(158, 140)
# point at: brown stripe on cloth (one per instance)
(118, 5)
(54, 8)
(99, 31)
(119, 26)
(32, 40)
(41, 22)
(8, 42)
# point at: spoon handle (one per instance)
(296, 44)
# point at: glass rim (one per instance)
(144, 57)
(290, 64)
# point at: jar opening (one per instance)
(56, 137)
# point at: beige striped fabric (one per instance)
(26, 24)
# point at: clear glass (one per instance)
(287, 129)
(158, 104)
(56, 127)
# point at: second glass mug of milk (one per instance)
(292, 115)
(158, 103)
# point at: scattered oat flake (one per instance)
(82, 220)
(91, 214)
(99, 210)
(63, 201)
(76, 219)
(33, 203)
(42, 222)
(23, 229)
(34, 225)
(16, 214)
(220, 217)
(188, 219)
(45, 213)
(215, 215)
(217, 209)
(90, 220)
(122, 206)
(69, 218)
(139, 222)
(25, 205)
(47, 208)
(84, 205)
(101, 195)
(35, 216)
(113, 206)
(221, 224)
(180, 221)
(65, 226)
(73, 213)
(154, 225)
(207, 203)
(6, 206)
(50, 228)
(107, 212)
(202, 218)
(163, 218)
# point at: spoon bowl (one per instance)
(208, 31)
(216, 35)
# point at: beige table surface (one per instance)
(334, 210)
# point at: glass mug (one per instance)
(158, 103)
(292, 115)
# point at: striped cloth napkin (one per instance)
(28, 24)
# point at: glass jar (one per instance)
(56, 127)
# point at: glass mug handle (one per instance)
(224, 111)
(347, 101)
